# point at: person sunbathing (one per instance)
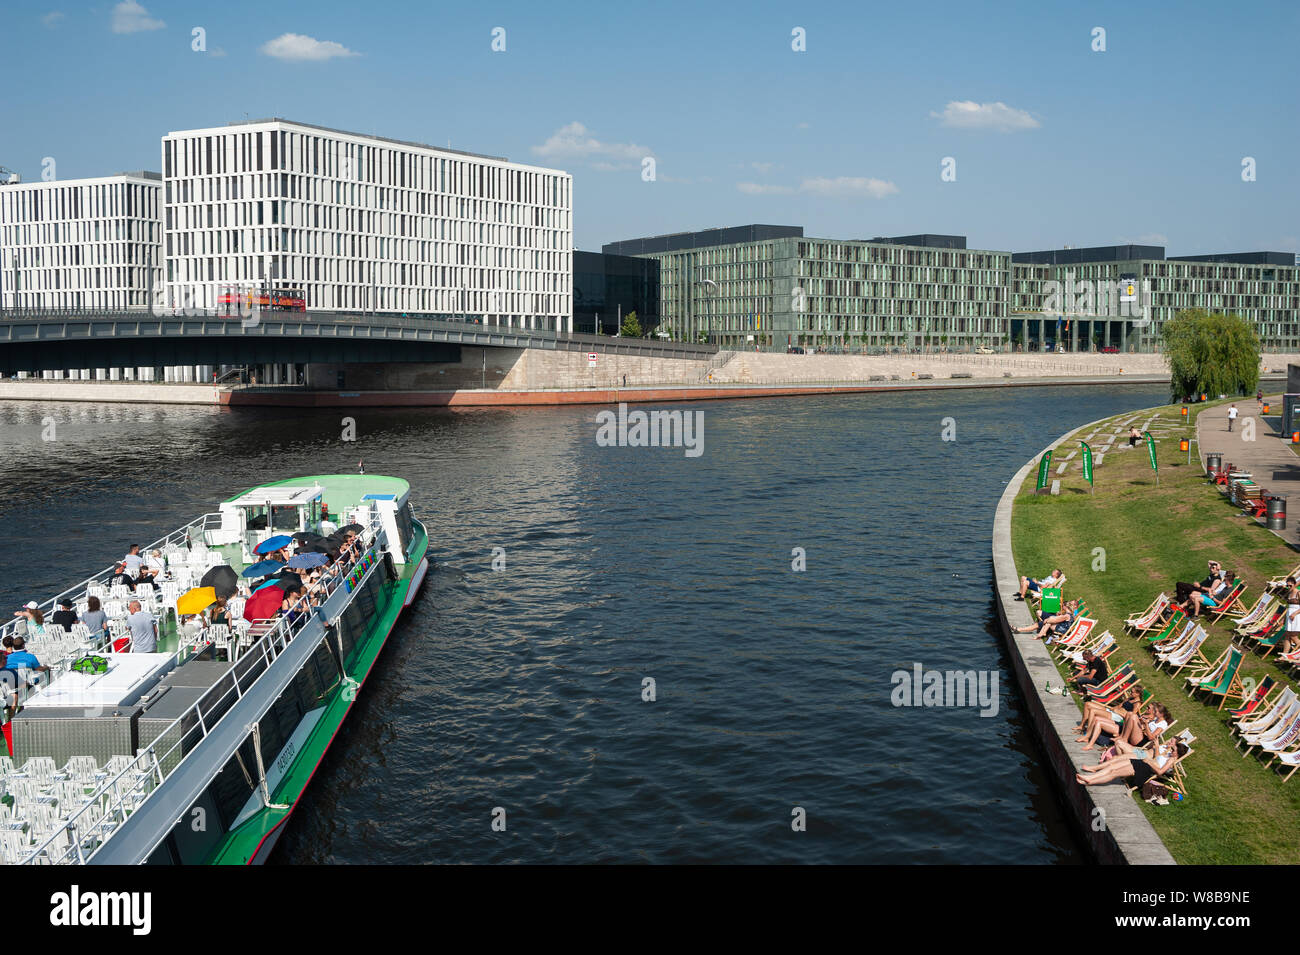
(1208, 599)
(1029, 583)
(1057, 624)
(1117, 722)
(1183, 590)
(1143, 730)
(1140, 769)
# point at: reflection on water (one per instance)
(522, 689)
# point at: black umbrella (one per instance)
(351, 527)
(305, 538)
(286, 580)
(221, 578)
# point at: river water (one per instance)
(518, 694)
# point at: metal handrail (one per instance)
(148, 764)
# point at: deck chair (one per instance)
(1207, 669)
(1187, 654)
(1275, 616)
(1171, 628)
(1166, 775)
(1279, 583)
(1268, 640)
(1228, 602)
(1265, 716)
(1257, 699)
(1103, 647)
(1227, 684)
(1150, 618)
(1255, 612)
(1076, 637)
(1120, 679)
(1178, 640)
(1282, 741)
(1286, 725)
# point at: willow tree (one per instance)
(1212, 354)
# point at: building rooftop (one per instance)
(928, 240)
(1242, 258)
(382, 139)
(1096, 253)
(676, 241)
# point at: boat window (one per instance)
(285, 517)
(256, 517)
(404, 529)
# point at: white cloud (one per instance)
(759, 189)
(967, 114)
(575, 142)
(849, 186)
(843, 187)
(52, 18)
(130, 17)
(297, 48)
(764, 167)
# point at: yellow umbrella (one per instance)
(196, 600)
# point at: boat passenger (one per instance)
(65, 616)
(95, 619)
(21, 659)
(143, 627)
(33, 618)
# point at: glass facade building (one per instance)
(606, 287)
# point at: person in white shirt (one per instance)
(1029, 583)
(1232, 416)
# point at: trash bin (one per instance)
(1276, 513)
(1213, 463)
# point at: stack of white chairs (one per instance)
(219, 634)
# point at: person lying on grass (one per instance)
(1132, 767)
(1029, 583)
(1053, 625)
(1118, 722)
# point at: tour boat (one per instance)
(198, 752)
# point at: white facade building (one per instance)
(365, 224)
(81, 243)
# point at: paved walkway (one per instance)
(1275, 467)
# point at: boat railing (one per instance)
(116, 798)
(191, 531)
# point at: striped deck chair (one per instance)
(1256, 700)
(1119, 681)
(1291, 759)
(1150, 618)
(1169, 774)
(1287, 725)
(1228, 683)
(1265, 716)
(1227, 603)
(1187, 654)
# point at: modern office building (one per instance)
(770, 286)
(1079, 296)
(361, 223)
(608, 287)
(81, 243)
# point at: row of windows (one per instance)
(902, 255)
(317, 155)
(81, 233)
(102, 201)
(112, 253)
(132, 278)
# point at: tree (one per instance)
(631, 326)
(1210, 354)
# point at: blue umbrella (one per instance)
(263, 569)
(272, 544)
(310, 559)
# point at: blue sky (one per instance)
(1054, 142)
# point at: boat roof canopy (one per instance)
(278, 496)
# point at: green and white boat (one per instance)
(198, 753)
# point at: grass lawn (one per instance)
(1237, 811)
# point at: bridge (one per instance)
(49, 340)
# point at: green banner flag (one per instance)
(1151, 448)
(1087, 462)
(1043, 465)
